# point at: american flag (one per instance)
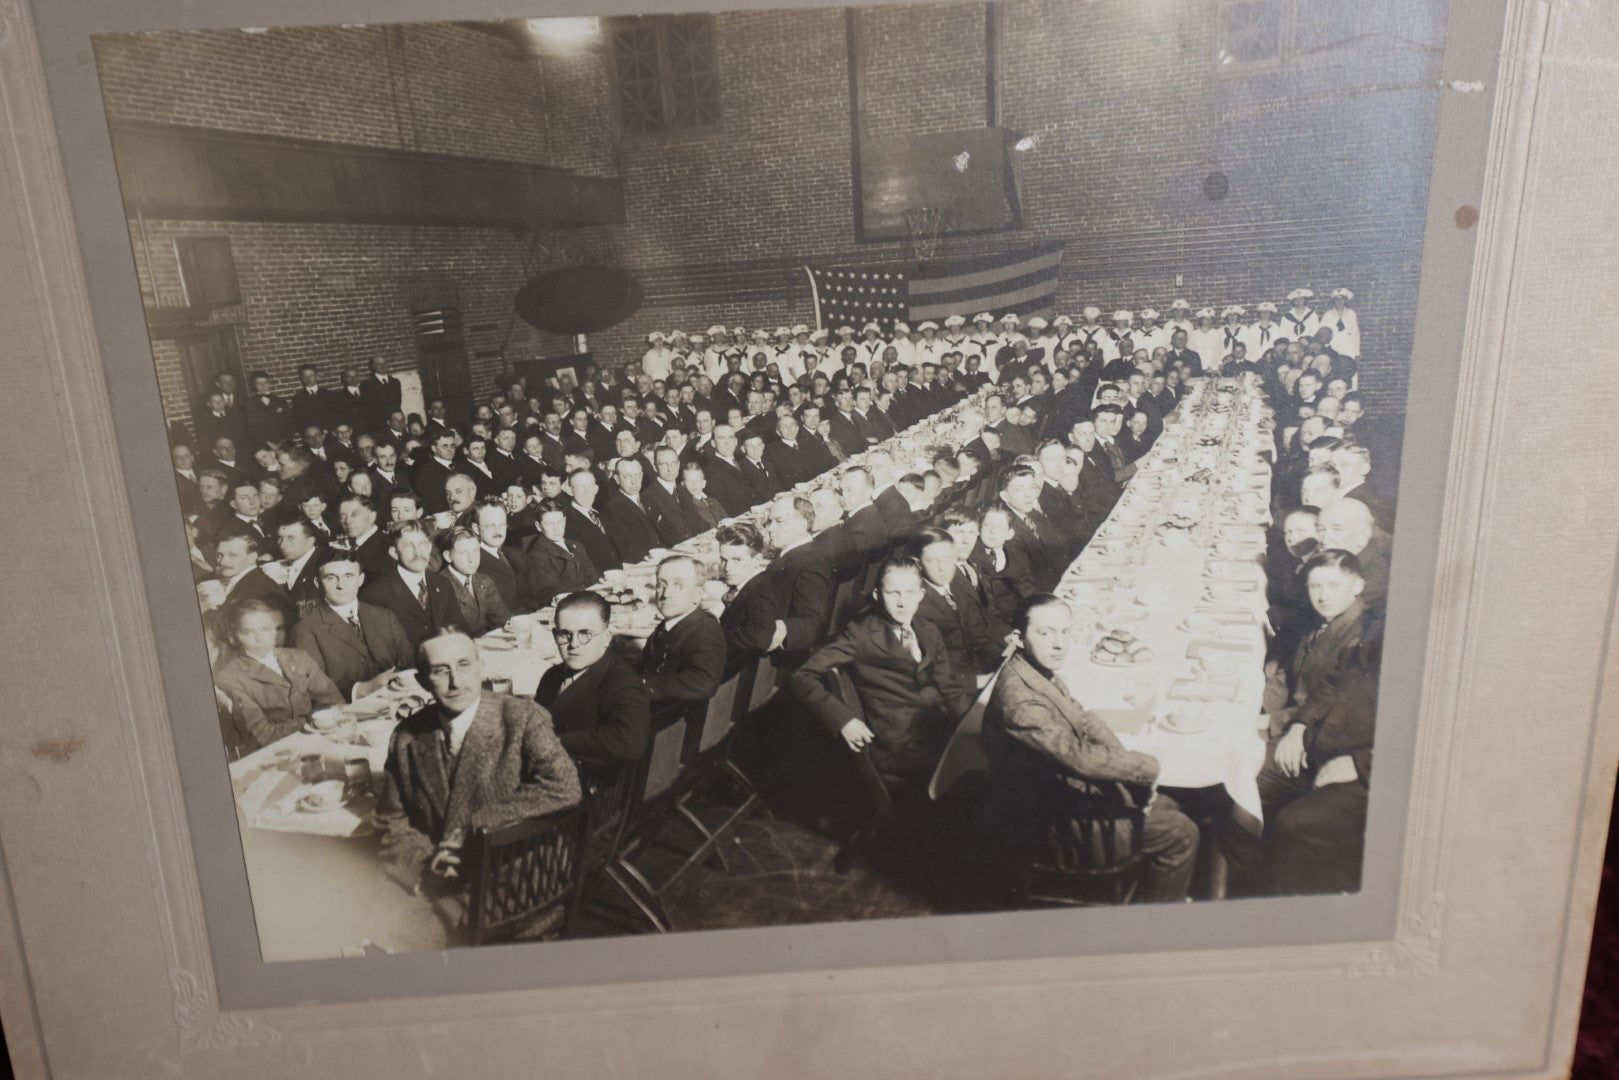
(1024, 282)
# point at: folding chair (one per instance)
(525, 877)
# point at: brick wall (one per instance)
(1327, 156)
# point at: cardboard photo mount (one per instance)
(125, 953)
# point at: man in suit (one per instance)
(273, 691)
(243, 506)
(1033, 727)
(470, 759)
(950, 602)
(684, 659)
(1347, 525)
(661, 494)
(753, 618)
(634, 526)
(504, 564)
(357, 516)
(386, 475)
(865, 532)
(786, 458)
(437, 467)
(762, 483)
(263, 413)
(301, 552)
(482, 608)
(726, 481)
(846, 431)
(358, 645)
(909, 696)
(1109, 421)
(1033, 534)
(309, 404)
(702, 510)
(600, 707)
(237, 576)
(1005, 579)
(423, 601)
(557, 564)
(380, 396)
(801, 575)
(586, 528)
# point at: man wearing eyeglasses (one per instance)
(597, 701)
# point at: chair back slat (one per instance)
(721, 715)
(524, 873)
(668, 741)
(764, 683)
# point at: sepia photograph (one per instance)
(709, 471)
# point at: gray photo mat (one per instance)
(65, 28)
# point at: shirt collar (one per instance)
(411, 578)
(347, 612)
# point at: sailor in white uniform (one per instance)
(1341, 319)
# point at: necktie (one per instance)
(730, 594)
(420, 589)
(354, 619)
(907, 640)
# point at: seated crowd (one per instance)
(337, 541)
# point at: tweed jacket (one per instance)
(511, 766)
(1038, 712)
(266, 706)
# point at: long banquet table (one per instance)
(1176, 574)
(316, 880)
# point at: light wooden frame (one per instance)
(109, 969)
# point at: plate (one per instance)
(1185, 724)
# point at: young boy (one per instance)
(909, 695)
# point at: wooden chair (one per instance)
(1073, 841)
(705, 741)
(525, 877)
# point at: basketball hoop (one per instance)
(924, 223)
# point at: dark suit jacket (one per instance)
(805, 583)
(266, 706)
(866, 535)
(677, 525)
(686, 663)
(597, 546)
(379, 400)
(374, 556)
(705, 514)
(427, 480)
(304, 408)
(511, 767)
(390, 592)
(910, 707)
(554, 571)
(343, 654)
(749, 621)
(635, 530)
(482, 608)
(896, 512)
(846, 433)
(763, 484)
(727, 483)
(1002, 590)
(604, 717)
(790, 464)
(1041, 714)
(264, 421)
(1040, 542)
(963, 627)
(511, 576)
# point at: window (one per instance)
(208, 271)
(1254, 32)
(666, 73)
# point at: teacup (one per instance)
(327, 720)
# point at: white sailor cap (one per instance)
(845, 329)
(1092, 312)
(1013, 339)
(1343, 294)
(819, 332)
(1122, 315)
(929, 325)
(1149, 313)
(1179, 305)
(1267, 306)
(698, 336)
(871, 327)
(782, 331)
(1037, 323)
(1234, 309)
(1301, 294)
(716, 329)
(1062, 320)
(954, 321)
(983, 316)
(677, 335)
(1205, 313)
(740, 331)
(799, 328)
(656, 335)
(901, 328)
(763, 335)
(1010, 317)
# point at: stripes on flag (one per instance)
(1024, 282)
